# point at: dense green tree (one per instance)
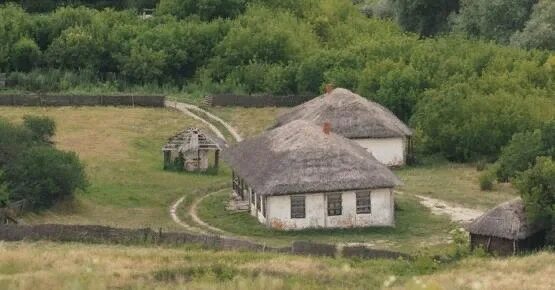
(539, 31)
(13, 140)
(205, 9)
(44, 175)
(492, 19)
(519, 154)
(537, 187)
(25, 55)
(43, 128)
(426, 17)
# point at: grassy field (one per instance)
(80, 266)
(454, 183)
(121, 148)
(415, 228)
(248, 121)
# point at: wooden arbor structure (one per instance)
(189, 150)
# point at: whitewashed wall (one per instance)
(278, 212)
(389, 151)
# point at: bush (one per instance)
(44, 175)
(486, 181)
(426, 17)
(43, 128)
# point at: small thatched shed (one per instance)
(302, 176)
(188, 150)
(506, 230)
(368, 123)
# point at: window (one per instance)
(252, 196)
(298, 207)
(334, 204)
(364, 203)
(258, 202)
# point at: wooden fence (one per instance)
(103, 234)
(225, 100)
(81, 100)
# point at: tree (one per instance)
(44, 175)
(43, 128)
(13, 140)
(492, 19)
(519, 154)
(539, 31)
(426, 17)
(537, 187)
(25, 55)
(205, 9)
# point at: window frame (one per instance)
(297, 202)
(334, 204)
(363, 207)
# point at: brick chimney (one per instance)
(326, 128)
(328, 88)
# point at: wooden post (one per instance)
(489, 242)
(217, 158)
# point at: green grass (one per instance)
(121, 148)
(455, 183)
(248, 121)
(415, 227)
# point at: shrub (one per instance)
(486, 181)
(44, 175)
(43, 128)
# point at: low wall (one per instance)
(81, 100)
(104, 234)
(225, 100)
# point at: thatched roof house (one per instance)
(373, 126)
(506, 229)
(189, 150)
(281, 168)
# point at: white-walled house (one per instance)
(301, 176)
(368, 123)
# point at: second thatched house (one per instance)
(303, 176)
(506, 230)
(368, 123)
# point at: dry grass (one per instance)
(121, 148)
(43, 265)
(534, 272)
(455, 183)
(75, 266)
(248, 121)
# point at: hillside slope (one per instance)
(78, 266)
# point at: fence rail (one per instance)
(225, 100)
(81, 100)
(104, 234)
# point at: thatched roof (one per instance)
(507, 220)
(300, 158)
(193, 139)
(350, 115)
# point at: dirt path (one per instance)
(457, 214)
(196, 219)
(189, 109)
